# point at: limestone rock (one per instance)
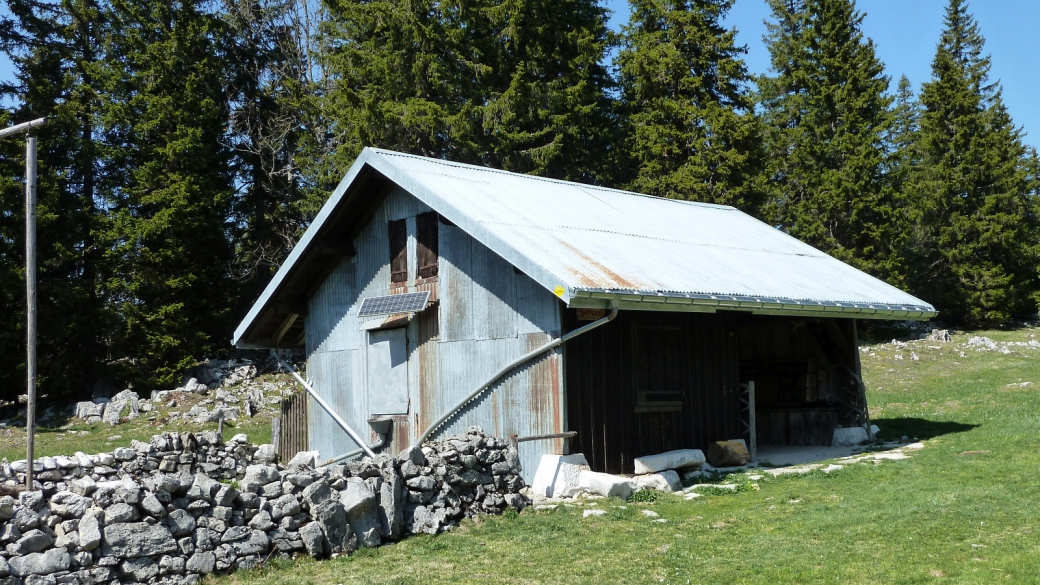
(317, 493)
(261, 522)
(679, 459)
(170, 565)
(605, 484)
(313, 538)
(425, 520)
(256, 541)
(118, 513)
(140, 569)
(286, 505)
(124, 454)
(152, 506)
(413, 454)
(263, 474)
(137, 539)
(34, 541)
(728, 453)
(41, 563)
(83, 486)
(665, 481)
(6, 508)
(94, 576)
(359, 502)
(848, 437)
(266, 454)
(201, 562)
(180, 523)
(332, 518)
(225, 496)
(89, 410)
(557, 475)
(89, 532)
(303, 459)
(391, 503)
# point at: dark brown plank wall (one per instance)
(602, 398)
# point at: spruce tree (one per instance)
(828, 114)
(975, 258)
(690, 128)
(400, 77)
(514, 85)
(55, 48)
(167, 251)
(267, 80)
(546, 92)
(902, 139)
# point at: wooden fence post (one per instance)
(276, 435)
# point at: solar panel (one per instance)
(388, 305)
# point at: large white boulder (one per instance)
(605, 484)
(679, 459)
(848, 437)
(557, 475)
(665, 481)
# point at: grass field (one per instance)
(964, 509)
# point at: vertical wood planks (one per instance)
(293, 427)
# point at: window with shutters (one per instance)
(398, 252)
(426, 236)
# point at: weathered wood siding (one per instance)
(487, 315)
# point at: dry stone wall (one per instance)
(184, 505)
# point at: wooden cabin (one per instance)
(420, 279)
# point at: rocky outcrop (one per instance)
(183, 505)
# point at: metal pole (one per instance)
(30, 292)
(325, 405)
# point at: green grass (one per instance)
(963, 509)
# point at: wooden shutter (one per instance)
(398, 251)
(426, 234)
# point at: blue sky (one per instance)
(905, 34)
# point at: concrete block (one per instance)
(680, 459)
(557, 475)
(605, 484)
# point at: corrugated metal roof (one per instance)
(589, 244)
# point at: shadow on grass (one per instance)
(894, 428)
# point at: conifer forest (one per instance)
(189, 142)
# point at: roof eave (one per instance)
(708, 303)
(273, 287)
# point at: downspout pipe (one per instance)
(325, 405)
(381, 426)
(351, 454)
(513, 364)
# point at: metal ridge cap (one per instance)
(479, 168)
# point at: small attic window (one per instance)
(426, 236)
(398, 251)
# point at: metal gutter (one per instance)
(693, 302)
(508, 367)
